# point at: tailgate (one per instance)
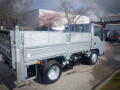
(5, 45)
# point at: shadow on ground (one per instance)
(106, 66)
(6, 77)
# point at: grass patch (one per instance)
(113, 84)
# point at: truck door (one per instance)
(97, 38)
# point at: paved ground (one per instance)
(81, 77)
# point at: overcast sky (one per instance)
(99, 7)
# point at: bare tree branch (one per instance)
(10, 11)
(71, 13)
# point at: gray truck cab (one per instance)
(97, 35)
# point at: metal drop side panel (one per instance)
(40, 45)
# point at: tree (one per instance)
(71, 13)
(10, 10)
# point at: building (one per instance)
(37, 17)
(110, 20)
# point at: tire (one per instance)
(51, 71)
(112, 35)
(93, 58)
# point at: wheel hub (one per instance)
(94, 58)
(53, 72)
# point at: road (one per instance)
(81, 77)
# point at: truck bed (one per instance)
(44, 44)
(40, 45)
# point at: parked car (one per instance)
(113, 32)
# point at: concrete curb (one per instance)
(102, 83)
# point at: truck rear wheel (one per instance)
(51, 71)
(93, 58)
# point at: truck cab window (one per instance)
(87, 28)
(82, 28)
(79, 28)
(69, 28)
(98, 32)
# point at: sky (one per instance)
(97, 7)
(46, 4)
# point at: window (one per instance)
(98, 32)
(82, 28)
(69, 28)
(79, 28)
(87, 28)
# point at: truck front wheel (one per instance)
(93, 58)
(52, 71)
